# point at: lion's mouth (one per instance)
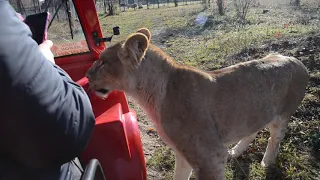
(102, 91)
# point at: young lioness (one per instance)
(199, 113)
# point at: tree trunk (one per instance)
(158, 3)
(297, 2)
(175, 3)
(55, 5)
(68, 11)
(34, 6)
(220, 7)
(39, 6)
(105, 6)
(110, 8)
(19, 6)
(205, 3)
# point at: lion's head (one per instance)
(113, 68)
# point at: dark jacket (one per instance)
(46, 119)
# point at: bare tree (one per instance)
(105, 6)
(19, 6)
(175, 3)
(69, 17)
(111, 7)
(242, 9)
(56, 6)
(108, 7)
(296, 3)
(205, 3)
(221, 6)
(34, 6)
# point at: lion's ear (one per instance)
(146, 32)
(134, 49)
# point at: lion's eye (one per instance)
(95, 62)
(98, 62)
(106, 63)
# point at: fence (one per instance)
(27, 7)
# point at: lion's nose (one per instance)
(89, 79)
(87, 74)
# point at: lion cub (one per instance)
(199, 113)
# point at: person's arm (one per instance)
(53, 103)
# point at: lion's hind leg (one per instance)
(242, 145)
(277, 129)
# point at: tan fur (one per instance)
(199, 113)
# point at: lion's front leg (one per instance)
(212, 165)
(182, 169)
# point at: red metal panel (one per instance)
(116, 141)
(117, 145)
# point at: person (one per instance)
(46, 119)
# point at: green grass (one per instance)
(163, 159)
(218, 43)
(153, 19)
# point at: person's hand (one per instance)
(45, 48)
(20, 17)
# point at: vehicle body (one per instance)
(116, 141)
